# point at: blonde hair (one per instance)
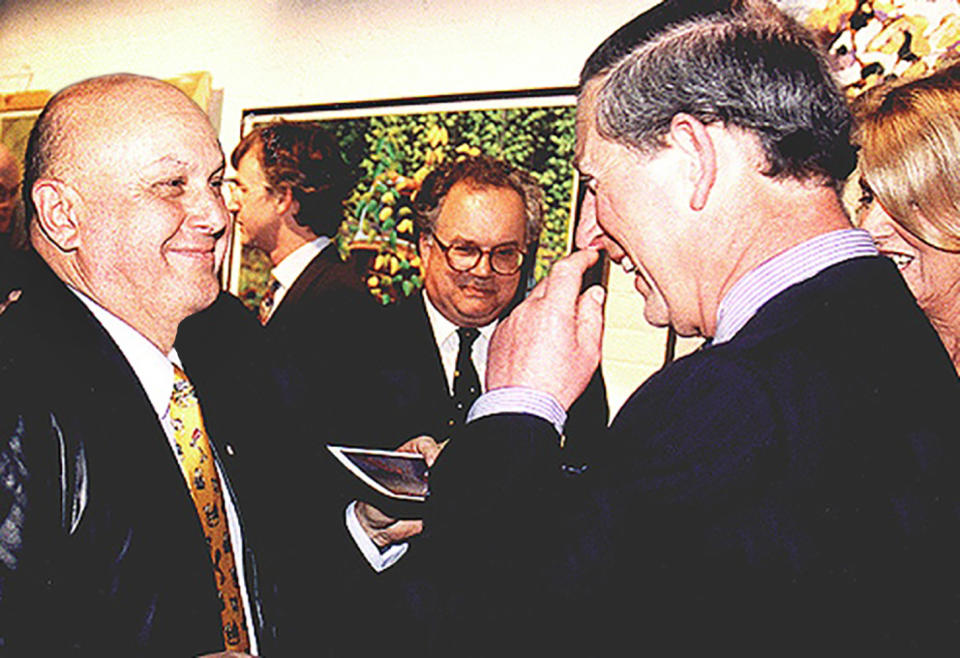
(909, 138)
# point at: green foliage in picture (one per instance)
(392, 154)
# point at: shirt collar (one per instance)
(794, 265)
(443, 329)
(153, 369)
(287, 270)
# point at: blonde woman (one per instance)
(909, 134)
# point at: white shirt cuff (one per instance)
(379, 561)
(517, 399)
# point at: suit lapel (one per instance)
(429, 352)
(100, 401)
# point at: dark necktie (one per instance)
(266, 304)
(466, 383)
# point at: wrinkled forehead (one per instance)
(482, 213)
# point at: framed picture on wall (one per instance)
(18, 113)
(393, 144)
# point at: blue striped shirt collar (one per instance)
(797, 264)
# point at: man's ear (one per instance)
(691, 136)
(285, 201)
(58, 206)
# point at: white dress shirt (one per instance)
(155, 372)
(448, 342)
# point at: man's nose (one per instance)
(207, 211)
(483, 266)
(232, 200)
(231, 197)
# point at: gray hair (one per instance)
(754, 71)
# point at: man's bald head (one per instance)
(82, 118)
(123, 187)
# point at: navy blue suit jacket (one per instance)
(793, 489)
(103, 551)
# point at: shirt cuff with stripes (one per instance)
(519, 400)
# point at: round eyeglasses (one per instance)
(505, 259)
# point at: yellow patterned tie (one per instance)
(196, 461)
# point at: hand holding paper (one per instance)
(406, 475)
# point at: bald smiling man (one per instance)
(122, 530)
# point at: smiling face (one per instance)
(933, 275)
(485, 217)
(629, 213)
(150, 219)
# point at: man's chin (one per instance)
(477, 317)
(657, 317)
(205, 294)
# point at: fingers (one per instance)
(403, 530)
(590, 314)
(425, 445)
(566, 276)
(371, 517)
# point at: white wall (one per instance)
(278, 52)
(288, 52)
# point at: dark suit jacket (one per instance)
(103, 550)
(408, 396)
(793, 490)
(320, 336)
(409, 389)
(316, 344)
(327, 279)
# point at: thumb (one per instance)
(590, 319)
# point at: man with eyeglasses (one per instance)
(478, 221)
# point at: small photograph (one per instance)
(400, 475)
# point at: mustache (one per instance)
(465, 279)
